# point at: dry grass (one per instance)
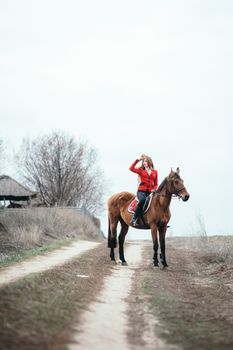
(37, 227)
(27, 236)
(216, 249)
(192, 299)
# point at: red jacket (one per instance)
(147, 182)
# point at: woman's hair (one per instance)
(149, 161)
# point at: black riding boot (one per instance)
(136, 214)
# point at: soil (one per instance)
(38, 311)
(106, 323)
(192, 299)
(107, 317)
(42, 263)
(187, 306)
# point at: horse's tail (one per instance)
(109, 233)
(112, 242)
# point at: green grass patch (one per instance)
(38, 312)
(30, 253)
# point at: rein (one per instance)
(171, 194)
(177, 191)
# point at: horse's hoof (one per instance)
(124, 263)
(155, 267)
(165, 267)
(164, 264)
(113, 262)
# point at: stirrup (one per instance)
(134, 223)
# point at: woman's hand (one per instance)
(143, 156)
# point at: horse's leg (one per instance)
(155, 244)
(124, 230)
(162, 234)
(112, 233)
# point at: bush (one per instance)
(31, 227)
(217, 249)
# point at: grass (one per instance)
(29, 229)
(38, 312)
(42, 223)
(30, 253)
(191, 300)
(217, 248)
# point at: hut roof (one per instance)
(10, 189)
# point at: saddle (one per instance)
(146, 206)
(132, 208)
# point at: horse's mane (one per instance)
(161, 185)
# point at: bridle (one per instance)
(176, 194)
(177, 191)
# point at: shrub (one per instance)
(37, 226)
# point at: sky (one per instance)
(130, 77)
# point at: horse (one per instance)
(156, 217)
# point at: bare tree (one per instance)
(63, 170)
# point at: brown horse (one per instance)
(156, 218)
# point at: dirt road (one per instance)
(105, 324)
(103, 321)
(42, 263)
(87, 303)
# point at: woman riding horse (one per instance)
(148, 181)
(157, 216)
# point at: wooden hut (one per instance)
(11, 190)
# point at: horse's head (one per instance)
(177, 185)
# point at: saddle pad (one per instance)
(133, 204)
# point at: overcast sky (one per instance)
(131, 77)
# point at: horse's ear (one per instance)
(178, 171)
(171, 173)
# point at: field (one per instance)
(192, 299)
(187, 306)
